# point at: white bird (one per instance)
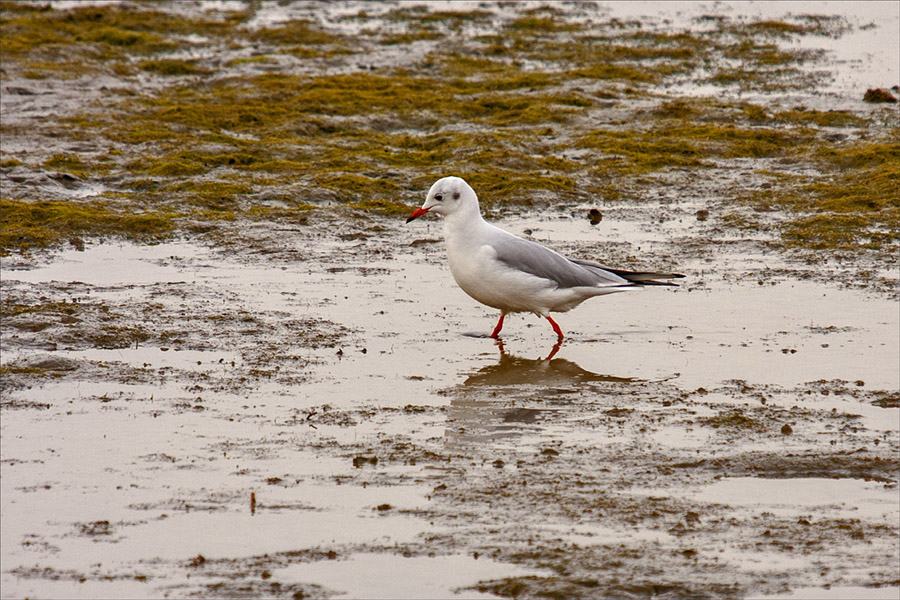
(512, 274)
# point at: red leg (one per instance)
(499, 326)
(555, 350)
(555, 327)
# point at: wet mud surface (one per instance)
(302, 404)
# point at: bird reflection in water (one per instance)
(487, 405)
(514, 370)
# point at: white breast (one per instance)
(489, 281)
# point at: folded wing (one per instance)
(534, 259)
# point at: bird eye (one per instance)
(438, 197)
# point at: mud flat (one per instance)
(230, 370)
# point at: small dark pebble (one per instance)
(787, 429)
(383, 507)
(702, 214)
(595, 216)
(265, 575)
(499, 464)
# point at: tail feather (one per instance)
(636, 277)
(646, 278)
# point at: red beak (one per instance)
(419, 212)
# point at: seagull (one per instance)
(513, 274)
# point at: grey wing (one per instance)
(532, 258)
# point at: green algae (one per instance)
(116, 29)
(353, 186)
(26, 225)
(657, 54)
(297, 32)
(68, 163)
(250, 60)
(409, 37)
(684, 143)
(372, 138)
(539, 25)
(421, 14)
(171, 67)
(494, 185)
(764, 80)
(855, 205)
(212, 195)
(382, 206)
(802, 25)
(297, 215)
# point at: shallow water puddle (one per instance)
(785, 334)
(772, 334)
(837, 593)
(148, 357)
(843, 498)
(363, 575)
(110, 264)
(71, 585)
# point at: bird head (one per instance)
(446, 197)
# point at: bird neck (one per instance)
(463, 222)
